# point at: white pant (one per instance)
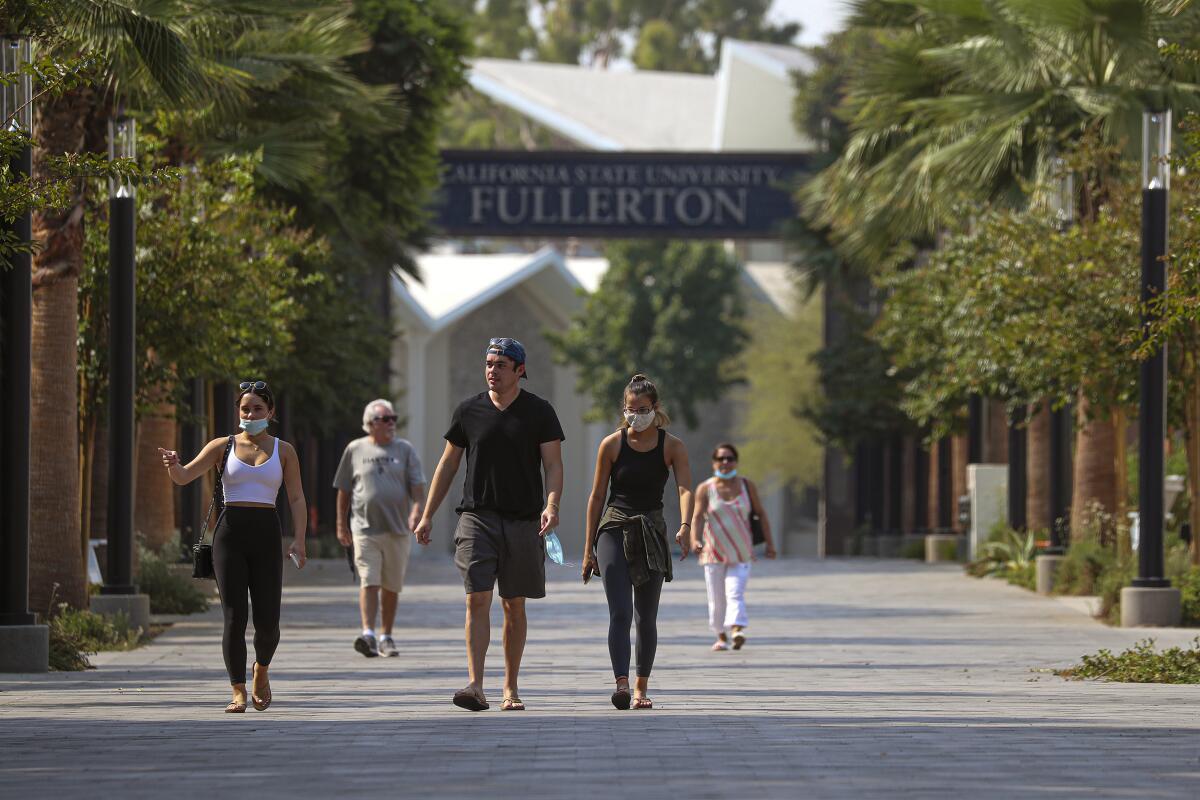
(726, 595)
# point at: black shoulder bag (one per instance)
(202, 556)
(756, 529)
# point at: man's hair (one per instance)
(368, 411)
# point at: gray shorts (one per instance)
(488, 547)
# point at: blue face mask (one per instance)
(254, 426)
(727, 475)
(554, 549)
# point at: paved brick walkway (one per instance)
(862, 678)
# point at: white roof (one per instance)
(745, 106)
(604, 109)
(454, 285)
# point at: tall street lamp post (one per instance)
(1151, 600)
(1062, 206)
(119, 594)
(24, 646)
(1017, 465)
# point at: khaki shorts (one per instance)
(382, 559)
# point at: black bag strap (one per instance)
(217, 489)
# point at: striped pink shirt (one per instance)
(727, 538)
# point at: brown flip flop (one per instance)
(469, 699)
(512, 704)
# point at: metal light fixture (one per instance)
(16, 309)
(1156, 150)
(1152, 378)
(1062, 194)
(122, 328)
(16, 99)
(122, 144)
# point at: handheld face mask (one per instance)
(254, 426)
(554, 549)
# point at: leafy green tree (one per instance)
(195, 318)
(672, 310)
(966, 100)
(781, 381)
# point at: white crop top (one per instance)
(245, 483)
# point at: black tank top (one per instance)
(638, 479)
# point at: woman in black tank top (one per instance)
(626, 541)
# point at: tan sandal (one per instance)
(264, 702)
(512, 703)
(235, 707)
(643, 702)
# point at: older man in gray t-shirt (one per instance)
(381, 494)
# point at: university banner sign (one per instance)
(617, 195)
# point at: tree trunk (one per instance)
(61, 125)
(1192, 421)
(1037, 494)
(958, 477)
(55, 560)
(1095, 468)
(154, 504)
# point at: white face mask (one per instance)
(639, 422)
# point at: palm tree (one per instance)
(968, 99)
(220, 57)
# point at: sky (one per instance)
(819, 17)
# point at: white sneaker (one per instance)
(387, 647)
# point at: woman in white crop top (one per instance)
(247, 540)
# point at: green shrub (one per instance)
(1006, 551)
(1024, 576)
(1109, 585)
(947, 551)
(68, 652)
(914, 550)
(1140, 664)
(1081, 569)
(74, 634)
(169, 592)
(1189, 590)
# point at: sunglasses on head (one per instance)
(724, 459)
(252, 386)
(386, 418)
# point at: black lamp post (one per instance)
(1152, 379)
(121, 309)
(1017, 466)
(1062, 206)
(24, 646)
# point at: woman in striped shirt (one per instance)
(723, 506)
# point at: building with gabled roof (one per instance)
(462, 299)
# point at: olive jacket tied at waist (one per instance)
(644, 537)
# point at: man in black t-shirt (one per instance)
(509, 436)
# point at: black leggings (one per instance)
(248, 557)
(623, 609)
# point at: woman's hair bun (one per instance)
(638, 377)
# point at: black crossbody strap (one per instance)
(217, 489)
